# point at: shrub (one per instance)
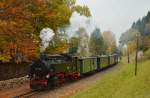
(147, 53)
(4, 58)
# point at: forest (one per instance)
(141, 28)
(21, 22)
(74, 48)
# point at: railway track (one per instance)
(35, 93)
(30, 94)
(71, 88)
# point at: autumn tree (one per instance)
(59, 45)
(22, 20)
(15, 28)
(110, 41)
(54, 13)
(131, 46)
(129, 35)
(130, 38)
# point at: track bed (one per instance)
(63, 91)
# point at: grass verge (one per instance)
(121, 83)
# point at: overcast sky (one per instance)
(116, 15)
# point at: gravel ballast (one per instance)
(11, 83)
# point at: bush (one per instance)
(147, 53)
(4, 58)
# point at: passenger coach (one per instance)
(51, 70)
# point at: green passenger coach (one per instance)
(51, 70)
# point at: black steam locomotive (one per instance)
(51, 70)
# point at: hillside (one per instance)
(122, 83)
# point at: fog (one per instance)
(116, 15)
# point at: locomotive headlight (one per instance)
(47, 76)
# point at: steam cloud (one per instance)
(46, 36)
(83, 47)
(77, 21)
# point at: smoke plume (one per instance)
(77, 21)
(46, 36)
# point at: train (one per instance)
(53, 70)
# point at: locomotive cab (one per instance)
(44, 71)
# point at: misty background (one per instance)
(114, 15)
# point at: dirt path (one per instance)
(10, 93)
(61, 92)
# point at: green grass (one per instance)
(121, 83)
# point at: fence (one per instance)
(13, 70)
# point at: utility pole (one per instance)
(128, 54)
(136, 56)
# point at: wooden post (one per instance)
(128, 56)
(136, 56)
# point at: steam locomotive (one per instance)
(53, 70)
